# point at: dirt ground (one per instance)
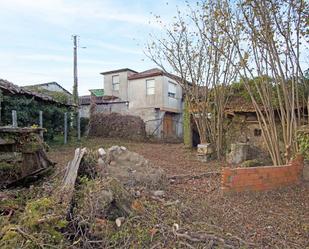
(274, 219)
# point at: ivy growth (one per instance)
(303, 143)
(28, 114)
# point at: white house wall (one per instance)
(123, 87)
(138, 97)
(170, 103)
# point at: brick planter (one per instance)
(306, 171)
(262, 178)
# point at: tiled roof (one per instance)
(148, 73)
(46, 84)
(242, 104)
(239, 104)
(118, 71)
(152, 73)
(13, 89)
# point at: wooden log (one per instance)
(67, 189)
(28, 179)
(10, 129)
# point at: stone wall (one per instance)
(115, 125)
(261, 178)
(239, 130)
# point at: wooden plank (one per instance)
(71, 175)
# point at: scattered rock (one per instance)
(171, 203)
(137, 193)
(112, 163)
(101, 162)
(102, 152)
(158, 193)
(119, 221)
(123, 148)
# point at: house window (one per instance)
(257, 132)
(115, 82)
(150, 87)
(171, 89)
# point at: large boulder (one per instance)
(238, 154)
(129, 168)
(132, 169)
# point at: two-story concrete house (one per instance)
(153, 95)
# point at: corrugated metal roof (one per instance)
(97, 92)
(86, 100)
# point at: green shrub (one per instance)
(28, 114)
(303, 143)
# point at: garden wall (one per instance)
(261, 178)
(115, 125)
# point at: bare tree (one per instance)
(271, 32)
(204, 73)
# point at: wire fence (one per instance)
(69, 118)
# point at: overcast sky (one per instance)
(36, 38)
(36, 43)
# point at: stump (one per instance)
(28, 143)
(106, 198)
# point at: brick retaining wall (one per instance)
(261, 178)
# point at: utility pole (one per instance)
(75, 86)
